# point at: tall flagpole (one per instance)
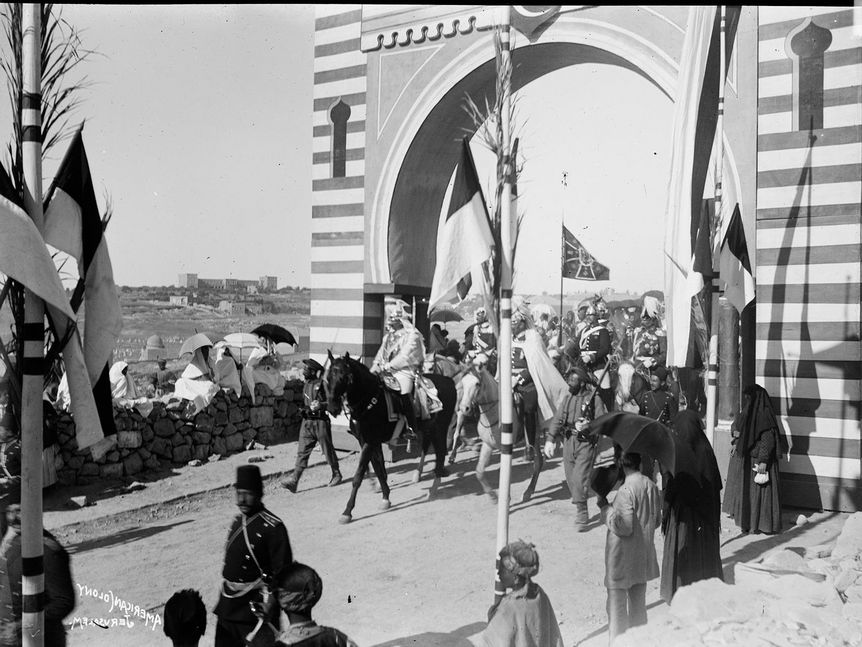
(712, 371)
(562, 260)
(32, 570)
(505, 340)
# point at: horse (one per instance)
(630, 385)
(481, 390)
(349, 380)
(434, 431)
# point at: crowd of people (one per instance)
(261, 579)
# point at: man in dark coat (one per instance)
(257, 550)
(578, 409)
(59, 590)
(752, 496)
(657, 403)
(10, 466)
(691, 519)
(315, 427)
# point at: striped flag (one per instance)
(464, 239)
(735, 273)
(73, 225)
(695, 119)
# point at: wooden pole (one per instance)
(505, 340)
(32, 570)
(712, 369)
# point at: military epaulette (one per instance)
(270, 518)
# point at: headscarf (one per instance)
(299, 589)
(122, 385)
(521, 311)
(225, 373)
(520, 558)
(757, 417)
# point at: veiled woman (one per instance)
(691, 519)
(752, 496)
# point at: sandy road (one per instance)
(419, 574)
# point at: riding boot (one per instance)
(409, 413)
(581, 516)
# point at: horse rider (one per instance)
(483, 340)
(315, 427)
(650, 344)
(570, 425)
(595, 346)
(536, 384)
(400, 357)
(257, 550)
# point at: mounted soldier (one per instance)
(595, 347)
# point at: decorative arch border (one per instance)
(652, 61)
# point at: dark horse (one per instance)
(348, 380)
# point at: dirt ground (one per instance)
(419, 574)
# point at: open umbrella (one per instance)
(640, 434)
(241, 344)
(275, 333)
(444, 315)
(194, 342)
(658, 294)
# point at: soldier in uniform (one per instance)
(10, 465)
(484, 340)
(257, 550)
(400, 357)
(657, 403)
(523, 386)
(595, 345)
(650, 344)
(315, 427)
(570, 425)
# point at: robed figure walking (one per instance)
(691, 519)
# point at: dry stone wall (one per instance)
(173, 435)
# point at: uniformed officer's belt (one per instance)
(582, 436)
(239, 589)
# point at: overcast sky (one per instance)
(199, 129)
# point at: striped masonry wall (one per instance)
(340, 312)
(809, 253)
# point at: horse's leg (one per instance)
(379, 466)
(422, 432)
(456, 437)
(481, 465)
(364, 457)
(438, 440)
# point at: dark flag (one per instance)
(73, 225)
(578, 263)
(735, 264)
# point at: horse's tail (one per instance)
(625, 374)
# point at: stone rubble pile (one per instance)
(172, 434)
(799, 596)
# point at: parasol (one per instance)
(635, 433)
(275, 333)
(194, 342)
(241, 344)
(623, 303)
(658, 294)
(444, 315)
(284, 348)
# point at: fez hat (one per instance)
(314, 365)
(248, 478)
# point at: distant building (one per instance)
(188, 281)
(240, 307)
(154, 349)
(178, 300)
(263, 284)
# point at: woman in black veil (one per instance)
(691, 518)
(752, 496)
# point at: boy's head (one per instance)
(299, 589)
(185, 617)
